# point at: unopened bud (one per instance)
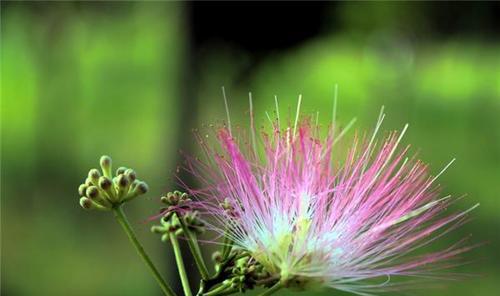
(130, 173)
(134, 184)
(97, 197)
(139, 189)
(85, 203)
(121, 170)
(107, 186)
(92, 192)
(172, 199)
(106, 165)
(157, 229)
(105, 183)
(94, 175)
(122, 181)
(142, 188)
(82, 189)
(89, 182)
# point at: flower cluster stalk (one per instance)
(180, 264)
(122, 220)
(195, 251)
(221, 290)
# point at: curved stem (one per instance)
(195, 250)
(122, 220)
(272, 290)
(198, 258)
(180, 264)
(217, 291)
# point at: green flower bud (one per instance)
(85, 203)
(88, 204)
(142, 188)
(175, 198)
(130, 173)
(97, 196)
(106, 165)
(92, 192)
(172, 198)
(94, 176)
(107, 186)
(123, 182)
(82, 189)
(133, 184)
(105, 183)
(89, 182)
(121, 170)
(157, 229)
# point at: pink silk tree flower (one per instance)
(316, 209)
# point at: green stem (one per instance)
(180, 264)
(195, 250)
(122, 220)
(198, 257)
(273, 289)
(217, 291)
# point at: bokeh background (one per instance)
(82, 79)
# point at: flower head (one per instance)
(104, 192)
(311, 212)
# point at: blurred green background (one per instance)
(131, 80)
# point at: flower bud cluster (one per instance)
(241, 272)
(167, 226)
(103, 191)
(178, 216)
